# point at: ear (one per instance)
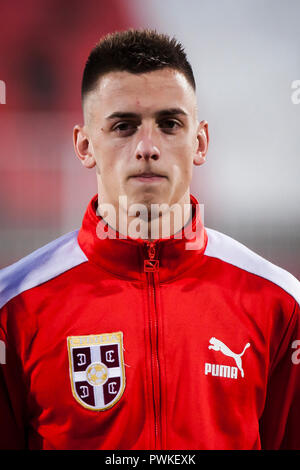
(83, 147)
(203, 140)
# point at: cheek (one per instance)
(108, 158)
(182, 168)
(184, 161)
(181, 177)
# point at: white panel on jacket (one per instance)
(40, 266)
(231, 251)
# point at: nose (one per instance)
(146, 149)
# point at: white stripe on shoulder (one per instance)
(40, 266)
(233, 252)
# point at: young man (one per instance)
(143, 330)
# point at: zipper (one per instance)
(151, 267)
(151, 264)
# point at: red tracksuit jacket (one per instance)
(125, 344)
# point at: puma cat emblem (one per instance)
(224, 370)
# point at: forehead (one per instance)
(147, 92)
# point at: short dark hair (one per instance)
(135, 51)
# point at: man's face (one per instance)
(142, 134)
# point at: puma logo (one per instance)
(217, 345)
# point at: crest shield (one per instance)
(96, 368)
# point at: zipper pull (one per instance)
(151, 265)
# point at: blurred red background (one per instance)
(44, 47)
(249, 185)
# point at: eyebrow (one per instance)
(158, 114)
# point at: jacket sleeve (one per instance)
(279, 425)
(12, 435)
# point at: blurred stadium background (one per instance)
(245, 55)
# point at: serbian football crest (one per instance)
(97, 369)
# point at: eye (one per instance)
(124, 128)
(169, 125)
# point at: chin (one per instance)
(149, 199)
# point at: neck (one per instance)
(126, 258)
(149, 222)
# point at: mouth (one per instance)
(148, 177)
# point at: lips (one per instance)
(148, 177)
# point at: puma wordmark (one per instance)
(220, 370)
